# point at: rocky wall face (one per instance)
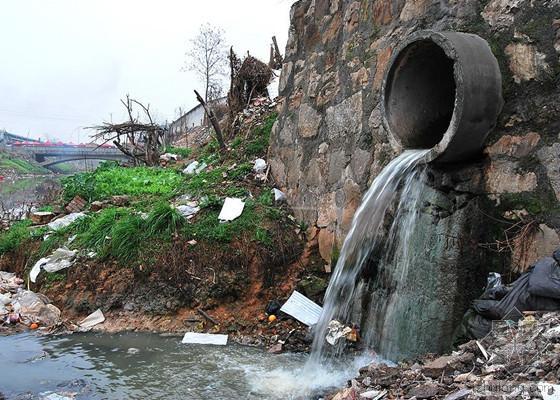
(329, 144)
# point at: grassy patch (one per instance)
(19, 165)
(15, 236)
(207, 226)
(110, 180)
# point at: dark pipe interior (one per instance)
(420, 95)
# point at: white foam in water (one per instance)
(302, 382)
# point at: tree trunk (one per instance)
(213, 120)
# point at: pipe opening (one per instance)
(420, 95)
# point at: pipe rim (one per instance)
(445, 44)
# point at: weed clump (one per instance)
(11, 239)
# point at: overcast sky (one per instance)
(64, 64)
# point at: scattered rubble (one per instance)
(515, 360)
(20, 308)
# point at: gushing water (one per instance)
(372, 240)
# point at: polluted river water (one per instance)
(144, 365)
(136, 365)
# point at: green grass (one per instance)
(110, 180)
(11, 239)
(119, 233)
(164, 219)
(19, 165)
(208, 227)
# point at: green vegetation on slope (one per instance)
(109, 180)
(123, 233)
(12, 163)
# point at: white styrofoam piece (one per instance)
(205, 338)
(302, 309)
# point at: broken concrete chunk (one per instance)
(120, 200)
(76, 205)
(232, 208)
(425, 391)
(41, 217)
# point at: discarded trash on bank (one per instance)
(95, 318)
(279, 195)
(337, 331)
(232, 208)
(65, 221)
(194, 168)
(302, 309)
(60, 259)
(205, 338)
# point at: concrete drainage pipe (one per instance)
(442, 91)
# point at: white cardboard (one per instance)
(231, 209)
(302, 309)
(205, 338)
(91, 320)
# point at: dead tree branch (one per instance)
(142, 141)
(213, 120)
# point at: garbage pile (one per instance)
(21, 308)
(537, 289)
(515, 360)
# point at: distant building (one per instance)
(192, 119)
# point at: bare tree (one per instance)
(140, 140)
(207, 57)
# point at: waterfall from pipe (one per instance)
(373, 239)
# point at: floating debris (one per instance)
(205, 338)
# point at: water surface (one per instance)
(142, 366)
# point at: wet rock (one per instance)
(525, 62)
(502, 177)
(308, 121)
(313, 286)
(549, 156)
(515, 146)
(425, 391)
